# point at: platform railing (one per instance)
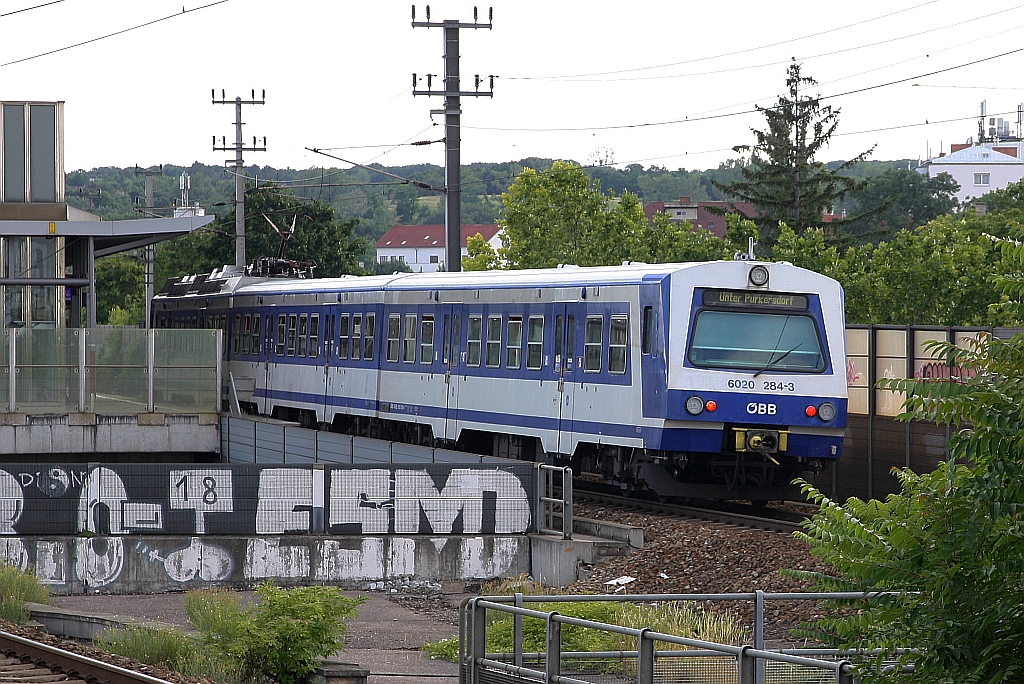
(554, 499)
(656, 656)
(111, 370)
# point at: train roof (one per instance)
(565, 276)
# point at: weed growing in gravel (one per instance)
(677, 618)
(17, 588)
(172, 649)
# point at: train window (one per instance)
(617, 334)
(292, 318)
(302, 335)
(535, 343)
(369, 336)
(427, 339)
(357, 336)
(647, 333)
(570, 340)
(409, 350)
(592, 340)
(234, 336)
(246, 332)
(343, 342)
(446, 333)
(255, 346)
(162, 322)
(756, 341)
(514, 343)
(559, 341)
(394, 334)
(280, 335)
(314, 335)
(474, 335)
(493, 359)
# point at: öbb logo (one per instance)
(754, 408)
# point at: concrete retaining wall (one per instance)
(151, 564)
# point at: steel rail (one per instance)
(72, 664)
(694, 512)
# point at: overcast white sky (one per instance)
(337, 74)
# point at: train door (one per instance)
(267, 355)
(450, 356)
(564, 368)
(328, 345)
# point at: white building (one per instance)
(422, 247)
(978, 168)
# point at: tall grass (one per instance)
(172, 649)
(17, 588)
(673, 617)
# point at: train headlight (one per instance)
(711, 405)
(694, 405)
(758, 276)
(827, 411)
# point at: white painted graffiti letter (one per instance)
(14, 553)
(285, 501)
(204, 490)
(100, 506)
(99, 560)
(363, 498)
(463, 492)
(198, 560)
(338, 563)
(12, 502)
(266, 558)
(51, 562)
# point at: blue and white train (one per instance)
(715, 380)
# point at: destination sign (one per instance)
(741, 299)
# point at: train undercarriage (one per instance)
(756, 476)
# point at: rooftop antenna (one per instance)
(981, 123)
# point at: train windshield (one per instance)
(756, 341)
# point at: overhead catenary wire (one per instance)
(115, 33)
(26, 9)
(692, 119)
(726, 54)
(803, 58)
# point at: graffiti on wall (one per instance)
(134, 499)
(177, 525)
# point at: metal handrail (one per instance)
(750, 660)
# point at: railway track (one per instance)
(25, 661)
(730, 514)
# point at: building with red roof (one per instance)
(700, 214)
(422, 247)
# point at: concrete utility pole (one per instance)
(452, 125)
(149, 251)
(239, 147)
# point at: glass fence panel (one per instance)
(186, 348)
(46, 389)
(46, 347)
(118, 390)
(185, 390)
(117, 347)
(857, 341)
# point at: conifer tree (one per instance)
(783, 180)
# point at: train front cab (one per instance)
(750, 386)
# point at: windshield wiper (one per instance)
(773, 362)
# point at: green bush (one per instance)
(282, 637)
(17, 588)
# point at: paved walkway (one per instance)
(384, 638)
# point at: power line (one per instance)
(745, 112)
(115, 33)
(761, 65)
(725, 54)
(26, 9)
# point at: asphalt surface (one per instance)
(384, 638)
